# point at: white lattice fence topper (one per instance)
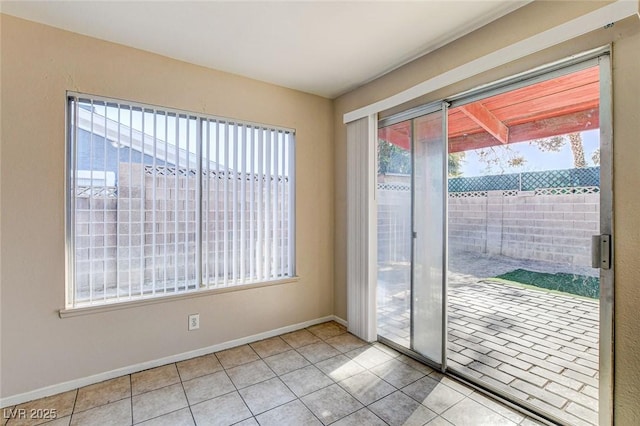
(96, 191)
(393, 187)
(470, 194)
(568, 191)
(171, 171)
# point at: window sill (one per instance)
(115, 306)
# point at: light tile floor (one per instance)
(316, 376)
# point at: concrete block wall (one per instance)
(134, 240)
(555, 228)
(468, 223)
(523, 225)
(145, 232)
(95, 244)
(394, 226)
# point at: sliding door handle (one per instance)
(601, 251)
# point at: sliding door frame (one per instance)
(598, 57)
(423, 291)
(438, 107)
(606, 335)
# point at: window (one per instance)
(161, 202)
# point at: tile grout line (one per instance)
(333, 380)
(234, 385)
(131, 395)
(296, 397)
(330, 378)
(185, 393)
(275, 374)
(73, 409)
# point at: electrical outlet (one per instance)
(194, 322)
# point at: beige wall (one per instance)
(626, 180)
(39, 349)
(523, 23)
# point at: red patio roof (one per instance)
(559, 106)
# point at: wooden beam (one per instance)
(460, 125)
(562, 125)
(485, 119)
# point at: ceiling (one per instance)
(321, 47)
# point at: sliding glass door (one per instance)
(429, 232)
(510, 185)
(411, 232)
(524, 302)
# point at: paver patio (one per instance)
(536, 345)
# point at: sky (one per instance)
(536, 160)
(162, 132)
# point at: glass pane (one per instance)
(134, 197)
(247, 212)
(428, 215)
(394, 232)
(136, 216)
(523, 299)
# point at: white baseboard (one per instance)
(340, 320)
(97, 378)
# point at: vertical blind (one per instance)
(163, 201)
(361, 228)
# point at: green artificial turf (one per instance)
(580, 285)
